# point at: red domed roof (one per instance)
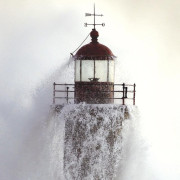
(94, 50)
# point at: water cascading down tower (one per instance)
(94, 119)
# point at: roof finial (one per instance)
(88, 14)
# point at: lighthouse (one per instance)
(94, 111)
(94, 75)
(94, 72)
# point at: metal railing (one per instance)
(68, 92)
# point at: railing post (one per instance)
(54, 90)
(67, 95)
(113, 93)
(123, 94)
(75, 94)
(134, 94)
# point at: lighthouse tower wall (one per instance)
(93, 140)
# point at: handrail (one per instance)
(124, 91)
(91, 84)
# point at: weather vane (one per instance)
(88, 14)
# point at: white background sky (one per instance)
(36, 37)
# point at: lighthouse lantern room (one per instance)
(95, 73)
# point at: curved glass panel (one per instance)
(77, 70)
(111, 71)
(87, 70)
(101, 70)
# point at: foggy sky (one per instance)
(37, 36)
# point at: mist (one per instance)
(36, 39)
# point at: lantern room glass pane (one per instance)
(87, 69)
(77, 70)
(101, 70)
(111, 71)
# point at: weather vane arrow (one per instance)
(94, 24)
